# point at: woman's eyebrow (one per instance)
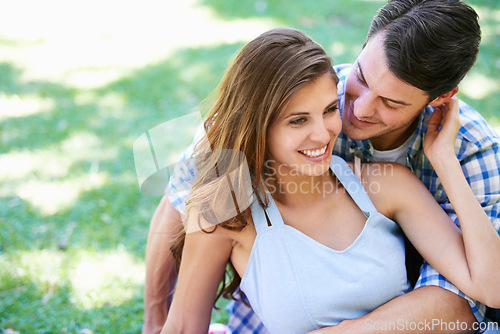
(332, 104)
(304, 113)
(300, 113)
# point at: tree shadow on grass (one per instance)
(174, 86)
(148, 97)
(27, 308)
(103, 217)
(334, 24)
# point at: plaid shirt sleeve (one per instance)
(243, 320)
(183, 174)
(478, 150)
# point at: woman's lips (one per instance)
(317, 154)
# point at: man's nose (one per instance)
(363, 104)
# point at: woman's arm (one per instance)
(469, 260)
(204, 260)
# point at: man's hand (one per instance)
(442, 131)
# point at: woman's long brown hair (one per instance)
(254, 90)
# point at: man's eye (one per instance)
(389, 106)
(359, 77)
(360, 80)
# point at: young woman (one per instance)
(315, 244)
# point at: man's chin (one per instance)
(355, 133)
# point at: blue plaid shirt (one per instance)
(477, 148)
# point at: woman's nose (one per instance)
(320, 133)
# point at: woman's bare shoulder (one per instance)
(386, 183)
(386, 172)
(222, 232)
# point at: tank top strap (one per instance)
(273, 213)
(352, 184)
(261, 216)
(258, 216)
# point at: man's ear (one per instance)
(443, 98)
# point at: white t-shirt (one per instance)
(397, 155)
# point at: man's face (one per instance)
(378, 105)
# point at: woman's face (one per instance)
(300, 141)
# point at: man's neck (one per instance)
(394, 139)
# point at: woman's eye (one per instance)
(332, 109)
(297, 121)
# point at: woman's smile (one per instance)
(315, 153)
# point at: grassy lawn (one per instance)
(78, 84)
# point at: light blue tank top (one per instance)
(296, 284)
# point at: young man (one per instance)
(414, 57)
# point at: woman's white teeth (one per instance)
(314, 153)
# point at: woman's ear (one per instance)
(443, 98)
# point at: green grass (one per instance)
(73, 223)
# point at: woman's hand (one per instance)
(442, 131)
